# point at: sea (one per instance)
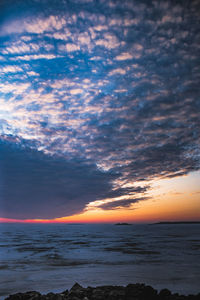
(52, 257)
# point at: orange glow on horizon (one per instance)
(175, 199)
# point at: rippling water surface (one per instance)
(53, 257)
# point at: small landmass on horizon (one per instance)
(122, 224)
(176, 222)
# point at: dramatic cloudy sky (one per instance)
(97, 100)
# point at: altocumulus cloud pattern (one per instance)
(96, 97)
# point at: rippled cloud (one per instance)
(113, 86)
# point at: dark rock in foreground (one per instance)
(130, 292)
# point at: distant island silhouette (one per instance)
(174, 223)
(122, 224)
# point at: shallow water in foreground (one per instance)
(52, 257)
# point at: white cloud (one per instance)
(117, 71)
(34, 57)
(32, 73)
(130, 22)
(121, 91)
(96, 58)
(72, 47)
(76, 91)
(124, 56)
(101, 27)
(38, 26)
(84, 38)
(110, 41)
(60, 35)
(17, 48)
(137, 47)
(26, 38)
(115, 22)
(11, 69)
(16, 88)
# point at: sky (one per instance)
(99, 110)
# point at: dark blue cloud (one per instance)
(39, 186)
(125, 203)
(34, 185)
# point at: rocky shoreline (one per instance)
(130, 292)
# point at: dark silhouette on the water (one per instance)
(122, 224)
(176, 223)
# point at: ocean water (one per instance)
(52, 257)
